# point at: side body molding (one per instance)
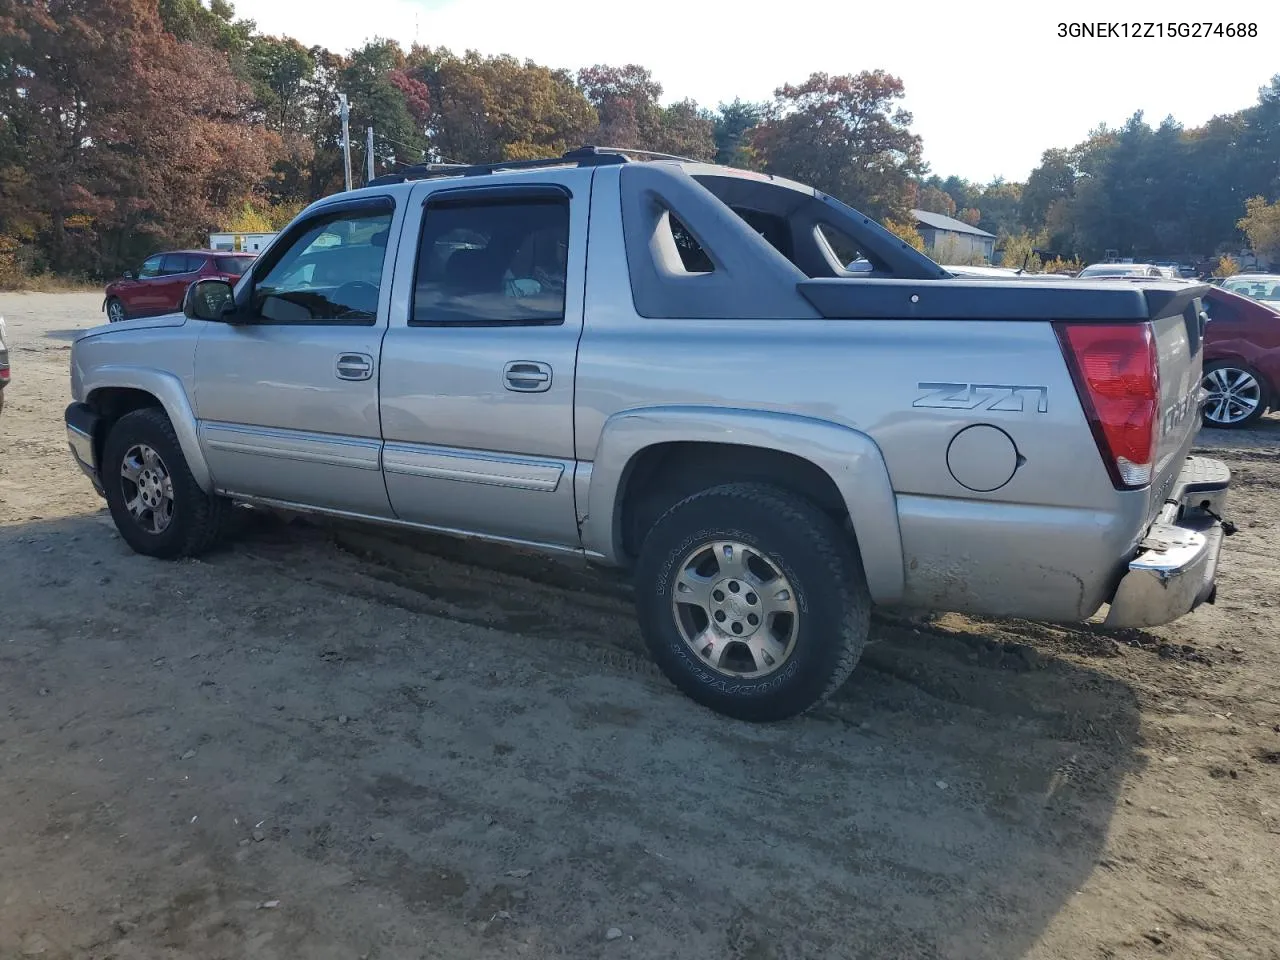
(850, 458)
(168, 389)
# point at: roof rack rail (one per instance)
(628, 151)
(588, 156)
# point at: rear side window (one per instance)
(233, 265)
(174, 263)
(492, 263)
(843, 249)
(692, 256)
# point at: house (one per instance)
(949, 240)
(246, 242)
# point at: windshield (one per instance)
(1258, 288)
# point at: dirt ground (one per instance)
(321, 744)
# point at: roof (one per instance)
(938, 222)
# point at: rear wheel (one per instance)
(116, 311)
(154, 500)
(752, 601)
(1236, 396)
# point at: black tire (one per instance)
(805, 546)
(119, 305)
(197, 521)
(1263, 395)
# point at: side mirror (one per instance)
(209, 300)
(128, 274)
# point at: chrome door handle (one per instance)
(527, 376)
(354, 366)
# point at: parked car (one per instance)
(1098, 270)
(4, 363)
(1241, 358)
(162, 280)
(1264, 287)
(697, 392)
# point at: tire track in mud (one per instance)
(939, 664)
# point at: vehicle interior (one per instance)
(820, 235)
(334, 272)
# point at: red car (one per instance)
(1241, 359)
(162, 281)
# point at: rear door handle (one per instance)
(354, 366)
(527, 376)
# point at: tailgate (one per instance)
(1179, 331)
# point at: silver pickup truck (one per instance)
(664, 366)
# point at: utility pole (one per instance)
(368, 150)
(345, 111)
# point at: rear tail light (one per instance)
(1117, 376)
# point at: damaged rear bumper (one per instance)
(1175, 568)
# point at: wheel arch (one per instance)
(115, 390)
(662, 454)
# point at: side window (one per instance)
(842, 249)
(770, 226)
(694, 258)
(330, 273)
(490, 263)
(150, 268)
(173, 263)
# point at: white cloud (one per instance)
(991, 86)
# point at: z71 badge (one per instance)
(1007, 398)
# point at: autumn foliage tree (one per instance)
(626, 101)
(128, 126)
(115, 135)
(845, 135)
(1261, 224)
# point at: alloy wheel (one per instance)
(735, 609)
(148, 488)
(1234, 395)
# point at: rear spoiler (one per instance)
(849, 298)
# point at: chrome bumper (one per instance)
(80, 425)
(1177, 561)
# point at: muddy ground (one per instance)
(317, 744)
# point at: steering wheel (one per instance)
(355, 297)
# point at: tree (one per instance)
(1053, 180)
(686, 130)
(846, 136)
(936, 200)
(905, 231)
(733, 125)
(999, 205)
(1261, 224)
(190, 21)
(1019, 251)
(114, 135)
(383, 96)
(485, 109)
(1228, 266)
(626, 103)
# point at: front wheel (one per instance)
(116, 311)
(154, 500)
(1235, 395)
(752, 601)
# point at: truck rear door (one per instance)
(478, 365)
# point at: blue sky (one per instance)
(990, 85)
